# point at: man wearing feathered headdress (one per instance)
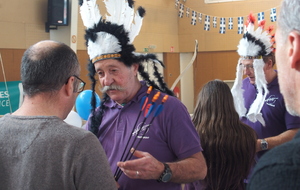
(257, 97)
(148, 136)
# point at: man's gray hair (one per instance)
(289, 18)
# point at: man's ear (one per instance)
(135, 68)
(294, 49)
(69, 86)
(270, 64)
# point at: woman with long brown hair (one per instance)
(228, 144)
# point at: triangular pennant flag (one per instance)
(222, 25)
(273, 15)
(187, 12)
(194, 18)
(230, 23)
(240, 25)
(181, 10)
(260, 16)
(215, 22)
(200, 17)
(207, 23)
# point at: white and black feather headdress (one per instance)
(111, 38)
(255, 44)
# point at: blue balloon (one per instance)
(83, 103)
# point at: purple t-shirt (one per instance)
(170, 137)
(274, 112)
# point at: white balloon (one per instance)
(74, 119)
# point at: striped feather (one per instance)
(136, 27)
(90, 13)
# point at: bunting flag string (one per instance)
(273, 15)
(215, 22)
(240, 25)
(181, 10)
(176, 3)
(198, 16)
(230, 23)
(222, 25)
(207, 23)
(261, 16)
(187, 12)
(194, 18)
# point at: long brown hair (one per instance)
(228, 144)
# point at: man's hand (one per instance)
(145, 167)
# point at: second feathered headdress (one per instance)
(254, 45)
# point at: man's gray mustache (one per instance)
(112, 87)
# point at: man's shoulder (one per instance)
(173, 103)
(50, 125)
(73, 131)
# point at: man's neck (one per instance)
(39, 106)
(270, 76)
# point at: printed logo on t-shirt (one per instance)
(270, 101)
(141, 132)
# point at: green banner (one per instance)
(11, 96)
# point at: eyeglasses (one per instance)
(81, 84)
(247, 66)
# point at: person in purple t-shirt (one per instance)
(280, 126)
(258, 99)
(157, 149)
